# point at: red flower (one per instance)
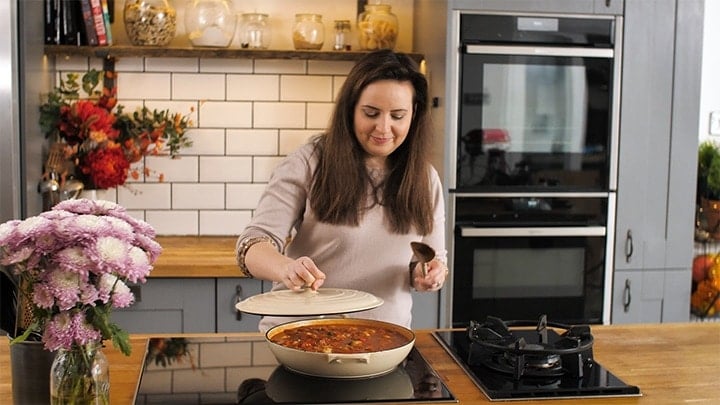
(106, 167)
(85, 120)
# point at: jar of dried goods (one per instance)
(308, 31)
(149, 22)
(210, 22)
(377, 27)
(254, 31)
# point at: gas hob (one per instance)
(525, 360)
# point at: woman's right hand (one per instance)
(302, 273)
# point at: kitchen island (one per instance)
(671, 363)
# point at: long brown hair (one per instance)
(340, 182)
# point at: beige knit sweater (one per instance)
(367, 257)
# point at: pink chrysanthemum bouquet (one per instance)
(72, 264)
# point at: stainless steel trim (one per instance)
(615, 113)
(540, 51)
(572, 194)
(534, 232)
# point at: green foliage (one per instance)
(709, 170)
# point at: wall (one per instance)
(248, 114)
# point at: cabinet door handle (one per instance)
(627, 297)
(238, 298)
(628, 246)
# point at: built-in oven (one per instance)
(522, 256)
(532, 168)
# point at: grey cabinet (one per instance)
(657, 161)
(170, 305)
(229, 292)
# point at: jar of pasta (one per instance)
(308, 31)
(149, 22)
(377, 27)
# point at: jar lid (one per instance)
(306, 302)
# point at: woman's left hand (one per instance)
(437, 273)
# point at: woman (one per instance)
(342, 210)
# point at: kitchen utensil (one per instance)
(424, 253)
(340, 365)
(71, 189)
(307, 302)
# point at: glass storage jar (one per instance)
(377, 27)
(342, 35)
(149, 22)
(210, 22)
(308, 32)
(254, 31)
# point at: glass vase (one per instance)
(149, 22)
(80, 376)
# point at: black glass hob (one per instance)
(532, 360)
(227, 371)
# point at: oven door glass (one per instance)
(514, 273)
(527, 123)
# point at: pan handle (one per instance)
(349, 358)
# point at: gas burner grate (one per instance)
(530, 354)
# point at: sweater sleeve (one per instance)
(280, 210)
(436, 238)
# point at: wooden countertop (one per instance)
(671, 363)
(196, 256)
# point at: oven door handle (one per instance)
(534, 232)
(540, 51)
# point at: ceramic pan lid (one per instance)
(324, 301)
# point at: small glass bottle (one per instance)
(377, 27)
(308, 32)
(342, 31)
(254, 31)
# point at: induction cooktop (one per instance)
(242, 370)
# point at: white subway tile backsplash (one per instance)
(293, 139)
(225, 114)
(223, 223)
(183, 168)
(305, 88)
(72, 63)
(153, 86)
(198, 196)
(243, 196)
(222, 65)
(319, 114)
(280, 66)
(174, 222)
(278, 115)
(252, 141)
(145, 196)
(129, 65)
(225, 169)
(171, 65)
(253, 87)
(329, 67)
(263, 167)
(194, 86)
(246, 115)
(205, 142)
(338, 82)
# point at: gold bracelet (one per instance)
(243, 248)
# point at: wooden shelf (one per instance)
(117, 51)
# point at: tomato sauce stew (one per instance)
(340, 338)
